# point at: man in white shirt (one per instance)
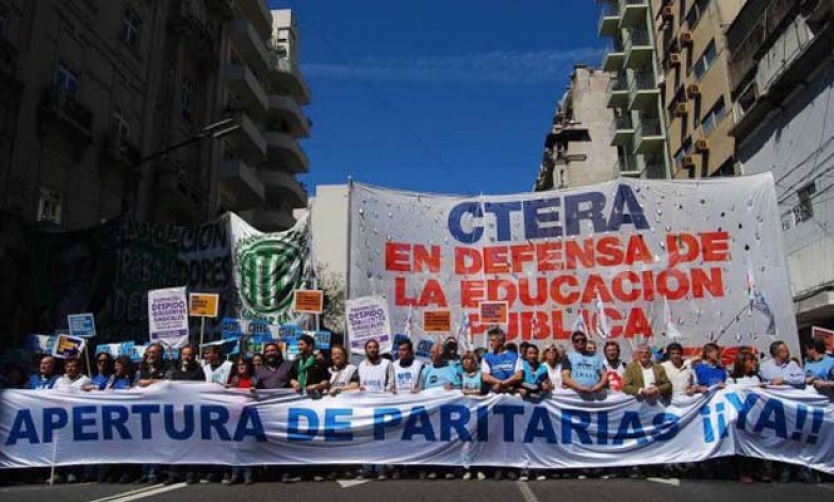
(376, 375)
(406, 369)
(679, 371)
(73, 380)
(216, 369)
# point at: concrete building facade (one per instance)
(89, 89)
(782, 73)
(639, 126)
(577, 151)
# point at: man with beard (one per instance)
(73, 379)
(215, 368)
(152, 369)
(407, 369)
(187, 370)
(275, 372)
(376, 375)
(309, 375)
(614, 365)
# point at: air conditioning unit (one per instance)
(688, 161)
(680, 109)
(693, 91)
(667, 13)
(674, 59)
(685, 37)
(701, 146)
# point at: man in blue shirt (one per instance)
(500, 368)
(582, 371)
(440, 373)
(46, 377)
(818, 364)
(710, 371)
(780, 370)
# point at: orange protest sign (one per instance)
(494, 313)
(203, 304)
(308, 301)
(437, 321)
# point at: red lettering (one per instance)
(619, 288)
(433, 294)
(681, 248)
(425, 261)
(716, 246)
(397, 256)
(471, 294)
(637, 251)
(556, 290)
(638, 324)
(520, 255)
(609, 251)
(672, 283)
(467, 261)
(584, 252)
(549, 257)
(400, 293)
(495, 260)
(714, 283)
(541, 292)
(595, 285)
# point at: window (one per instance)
(714, 116)
(696, 13)
(131, 28)
(49, 206)
(187, 98)
(65, 80)
(804, 210)
(703, 64)
(683, 151)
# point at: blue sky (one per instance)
(445, 96)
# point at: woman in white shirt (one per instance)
(552, 359)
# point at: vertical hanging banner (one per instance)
(694, 261)
(368, 319)
(168, 317)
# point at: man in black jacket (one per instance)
(187, 369)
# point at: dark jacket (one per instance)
(633, 380)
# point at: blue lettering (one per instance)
(634, 216)
(418, 422)
(53, 419)
(483, 423)
(334, 429)
(213, 416)
(458, 423)
(666, 425)
(380, 422)
(540, 426)
(455, 227)
(250, 424)
(294, 432)
(502, 211)
(509, 412)
(170, 422)
(584, 206)
(79, 422)
(23, 428)
(743, 409)
(602, 427)
(145, 411)
(630, 428)
(580, 427)
(113, 418)
(775, 408)
(534, 218)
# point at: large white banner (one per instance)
(168, 317)
(628, 260)
(181, 423)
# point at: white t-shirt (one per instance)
(747, 380)
(65, 384)
(376, 377)
(555, 375)
(406, 379)
(682, 378)
(619, 367)
(648, 377)
(220, 375)
(341, 378)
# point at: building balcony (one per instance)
(243, 83)
(284, 153)
(176, 197)
(633, 13)
(242, 181)
(65, 108)
(285, 109)
(286, 75)
(655, 169)
(648, 136)
(285, 187)
(269, 219)
(643, 91)
(249, 45)
(258, 13)
(117, 150)
(609, 20)
(622, 131)
(638, 49)
(613, 60)
(251, 144)
(628, 167)
(618, 91)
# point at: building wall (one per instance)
(330, 227)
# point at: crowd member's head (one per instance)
(14, 375)
(214, 356)
(551, 355)
(438, 355)
(153, 355)
(531, 355)
(511, 347)
(469, 362)
(451, 348)
(711, 354)
(779, 352)
(612, 351)
(46, 367)
(496, 340)
(72, 367)
(104, 363)
(123, 367)
(405, 351)
(674, 353)
(257, 361)
(372, 350)
(306, 344)
(745, 364)
(591, 347)
(644, 355)
(188, 357)
(522, 347)
(272, 355)
(338, 356)
(815, 349)
(243, 367)
(579, 342)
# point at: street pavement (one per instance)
(615, 490)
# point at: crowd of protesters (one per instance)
(523, 370)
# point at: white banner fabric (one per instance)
(168, 317)
(199, 423)
(630, 260)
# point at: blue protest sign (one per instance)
(230, 327)
(288, 331)
(40, 344)
(322, 340)
(82, 325)
(259, 327)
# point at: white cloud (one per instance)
(502, 67)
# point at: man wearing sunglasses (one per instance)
(583, 371)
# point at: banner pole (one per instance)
(87, 356)
(202, 331)
(345, 341)
(54, 457)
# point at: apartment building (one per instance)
(639, 128)
(696, 86)
(92, 90)
(577, 150)
(782, 81)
